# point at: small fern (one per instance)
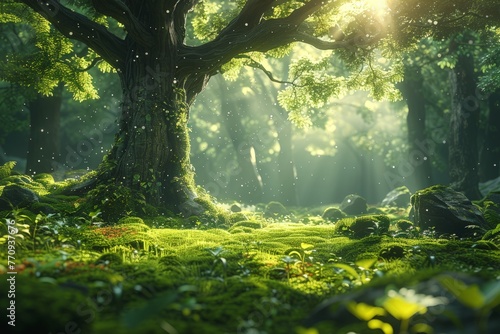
(6, 169)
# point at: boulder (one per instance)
(18, 196)
(354, 205)
(398, 197)
(235, 208)
(275, 210)
(332, 214)
(446, 210)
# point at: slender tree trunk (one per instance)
(490, 152)
(418, 156)
(463, 148)
(245, 184)
(43, 146)
(286, 169)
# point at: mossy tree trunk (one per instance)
(490, 151)
(43, 145)
(464, 123)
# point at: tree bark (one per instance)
(490, 152)
(418, 151)
(44, 146)
(465, 110)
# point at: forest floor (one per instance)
(253, 273)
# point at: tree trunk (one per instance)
(245, 184)
(463, 150)
(43, 146)
(490, 152)
(418, 148)
(151, 151)
(286, 169)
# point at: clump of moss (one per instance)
(363, 226)
(45, 179)
(332, 214)
(275, 210)
(250, 224)
(109, 258)
(404, 224)
(237, 217)
(215, 215)
(392, 252)
(114, 202)
(167, 221)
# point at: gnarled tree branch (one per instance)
(120, 12)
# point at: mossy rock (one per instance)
(275, 210)
(398, 197)
(446, 211)
(354, 205)
(404, 224)
(363, 226)
(332, 214)
(235, 208)
(18, 196)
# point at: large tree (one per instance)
(161, 73)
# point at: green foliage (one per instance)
(6, 169)
(50, 307)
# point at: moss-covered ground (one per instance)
(240, 272)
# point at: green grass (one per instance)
(170, 278)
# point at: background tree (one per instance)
(37, 66)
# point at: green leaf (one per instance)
(470, 296)
(303, 245)
(364, 311)
(366, 263)
(350, 270)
